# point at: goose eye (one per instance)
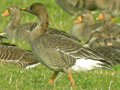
(10, 8)
(83, 14)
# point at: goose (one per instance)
(18, 31)
(13, 27)
(107, 21)
(84, 24)
(60, 53)
(102, 32)
(115, 31)
(17, 56)
(111, 5)
(12, 54)
(84, 20)
(71, 6)
(75, 6)
(98, 39)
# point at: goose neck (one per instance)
(41, 27)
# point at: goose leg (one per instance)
(71, 80)
(52, 77)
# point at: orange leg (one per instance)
(53, 77)
(71, 81)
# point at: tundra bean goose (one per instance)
(98, 39)
(74, 6)
(14, 55)
(13, 27)
(111, 5)
(60, 53)
(16, 31)
(84, 24)
(102, 32)
(17, 56)
(84, 20)
(107, 21)
(115, 31)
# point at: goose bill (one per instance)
(5, 13)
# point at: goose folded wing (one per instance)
(74, 49)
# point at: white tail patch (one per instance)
(32, 66)
(83, 65)
(3, 33)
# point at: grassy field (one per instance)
(14, 78)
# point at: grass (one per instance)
(14, 78)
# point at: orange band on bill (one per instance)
(22, 9)
(5, 13)
(79, 19)
(100, 17)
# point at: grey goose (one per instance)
(17, 56)
(60, 53)
(15, 30)
(84, 24)
(75, 6)
(12, 54)
(13, 27)
(102, 32)
(111, 5)
(84, 19)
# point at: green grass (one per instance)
(14, 78)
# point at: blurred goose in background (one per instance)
(75, 6)
(102, 32)
(113, 41)
(21, 32)
(70, 5)
(11, 54)
(115, 31)
(84, 24)
(115, 47)
(90, 5)
(60, 53)
(111, 5)
(16, 56)
(98, 42)
(97, 39)
(13, 29)
(104, 4)
(84, 20)
(107, 22)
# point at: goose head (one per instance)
(11, 10)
